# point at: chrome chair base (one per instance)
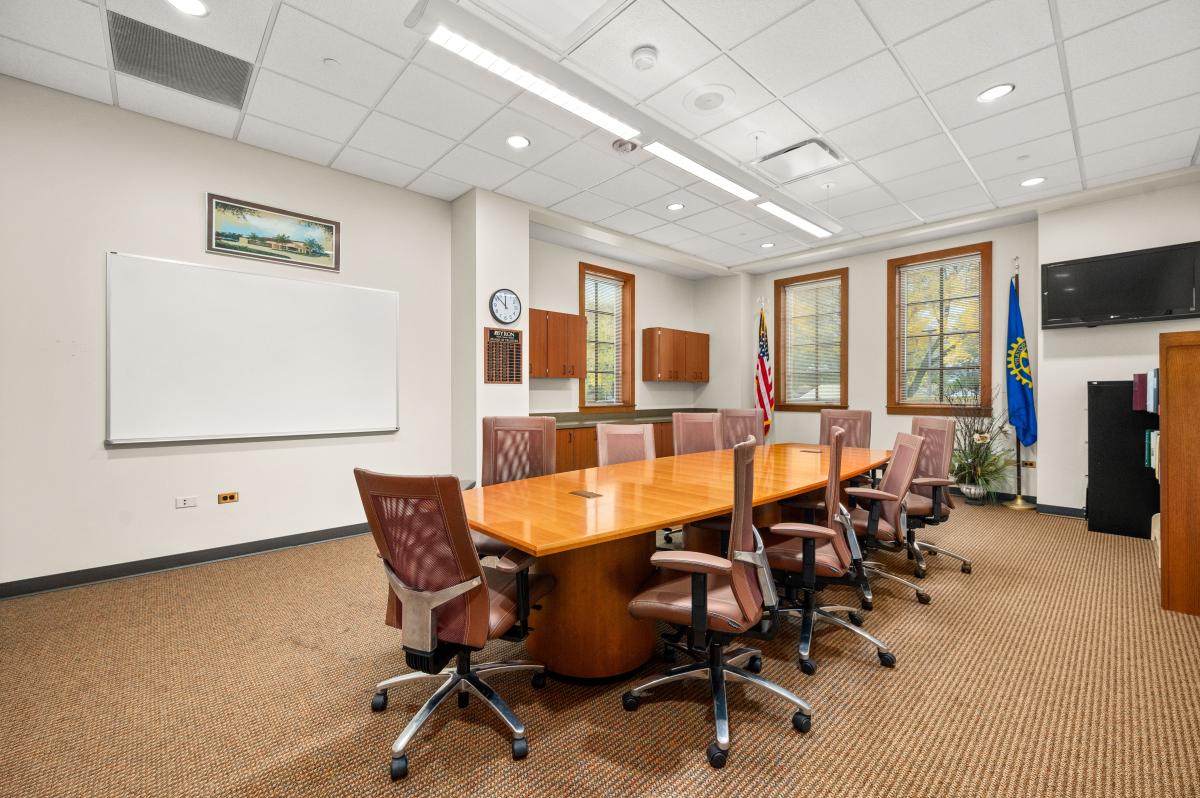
(935, 550)
(876, 569)
(825, 614)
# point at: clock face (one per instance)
(506, 306)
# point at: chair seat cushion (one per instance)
(921, 506)
(806, 501)
(488, 547)
(789, 556)
(859, 517)
(503, 588)
(667, 596)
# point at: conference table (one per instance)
(593, 529)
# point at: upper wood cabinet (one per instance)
(556, 344)
(674, 355)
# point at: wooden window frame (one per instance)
(894, 406)
(781, 286)
(627, 345)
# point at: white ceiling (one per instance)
(1107, 90)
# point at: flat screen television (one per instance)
(1147, 285)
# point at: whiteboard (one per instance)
(202, 353)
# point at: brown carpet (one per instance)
(1050, 671)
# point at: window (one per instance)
(810, 339)
(606, 302)
(939, 317)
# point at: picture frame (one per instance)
(241, 229)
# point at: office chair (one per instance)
(624, 443)
(856, 429)
(931, 489)
(447, 602)
(737, 424)
(713, 600)
(883, 522)
(514, 447)
(696, 432)
(816, 556)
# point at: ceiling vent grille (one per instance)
(799, 160)
(164, 58)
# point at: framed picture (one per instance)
(245, 230)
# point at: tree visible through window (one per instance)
(606, 297)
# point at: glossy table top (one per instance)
(543, 516)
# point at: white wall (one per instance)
(733, 341)
(79, 179)
(1071, 357)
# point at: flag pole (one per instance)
(1019, 502)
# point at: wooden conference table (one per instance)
(599, 546)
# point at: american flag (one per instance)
(764, 391)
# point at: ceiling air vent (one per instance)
(164, 58)
(799, 160)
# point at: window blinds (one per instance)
(603, 299)
(940, 331)
(813, 348)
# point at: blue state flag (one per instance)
(1021, 412)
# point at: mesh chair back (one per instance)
(856, 423)
(517, 447)
(899, 476)
(833, 494)
(935, 454)
(696, 432)
(737, 424)
(744, 578)
(420, 528)
(624, 443)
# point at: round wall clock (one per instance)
(505, 306)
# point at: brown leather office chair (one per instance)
(713, 600)
(931, 489)
(696, 432)
(814, 556)
(624, 443)
(856, 430)
(514, 447)
(738, 423)
(880, 519)
(447, 602)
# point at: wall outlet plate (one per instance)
(1029, 464)
(182, 502)
(228, 497)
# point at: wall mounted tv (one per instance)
(1147, 285)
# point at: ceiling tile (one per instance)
(887, 217)
(729, 255)
(1041, 152)
(66, 27)
(475, 167)
(436, 103)
(1058, 189)
(784, 244)
(886, 130)
(1140, 171)
(630, 221)
(729, 24)
(911, 158)
(633, 187)
(867, 199)
(302, 107)
(375, 167)
(492, 137)
(1036, 76)
(603, 141)
(854, 92)
(1170, 117)
(152, 99)
(699, 246)
(582, 166)
(935, 181)
(692, 205)
(466, 73)
(300, 45)
(739, 94)
(898, 21)
(588, 207)
(400, 141)
(382, 24)
(1144, 153)
(711, 220)
(950, 201)
(270, 136)
(438, 186)
(235, 27)
(845, 180)
(960, 212)
(1149, 85)
(670, 173)
(741, 233)
(551, 25)
(1059, 177)
(1149, 35)
(537, 189)
(1077, 16)
(991, 34)
(1029, 122)
(534, 106)
(818, 40)
(53, 70)
(667, 234)
(760, 133)
(607, 54)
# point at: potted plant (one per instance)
(981, 457)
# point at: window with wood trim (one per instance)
(606, 303)
(811, 320)
(939, 321)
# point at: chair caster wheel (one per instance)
(919, 573)
(808, 666)
(923, 597)
(379, 701)
(754, 664)
(538, 681)
(630, 702)
(520, 748)
(668, 654)
(856, 618)
(966, 568)
(867, 605)
(932, 553)
(801, 722)
(463, 700)
(399, 767)
(716, 757)
(887, 659)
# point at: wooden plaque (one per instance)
(502, 356)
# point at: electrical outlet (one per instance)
(184, 501)
(227, 498)
(1029, 464)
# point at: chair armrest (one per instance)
(871, 494)
(417, 619)
(692, 562)
(804, 531)
(933, 482)
(510, 562)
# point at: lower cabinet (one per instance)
(575, 448)
(664, 439)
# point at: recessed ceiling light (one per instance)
(699, 170)
(1033, 181)
(995, 93)
(193, 8)
(793, 219)
(767, 244)
(675, 206)
(517, 142)
(707, 99)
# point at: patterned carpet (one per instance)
(1048, 672)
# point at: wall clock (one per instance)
(505, 306)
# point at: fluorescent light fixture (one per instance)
(995, 93)
(193, 8)
(675, 206)
(1033, 181)
(703, 172)
(493, 63)
(767, 244)
(517, 142)
(793, 219)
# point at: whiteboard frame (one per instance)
(110, 441)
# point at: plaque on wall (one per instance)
(502, 356)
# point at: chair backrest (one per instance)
(898, 477)
(935, 454)
(856, 423)
(833, 494)
(420, 528)
(624, 443)
(738, 423)
(696, 432)
(744, 577)
(517, 447)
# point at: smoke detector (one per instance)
(624, 146)
(645, 57)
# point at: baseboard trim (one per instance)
(105, 573)
(1070, 512)
(1000, 497)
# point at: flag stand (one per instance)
(1019, 502)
